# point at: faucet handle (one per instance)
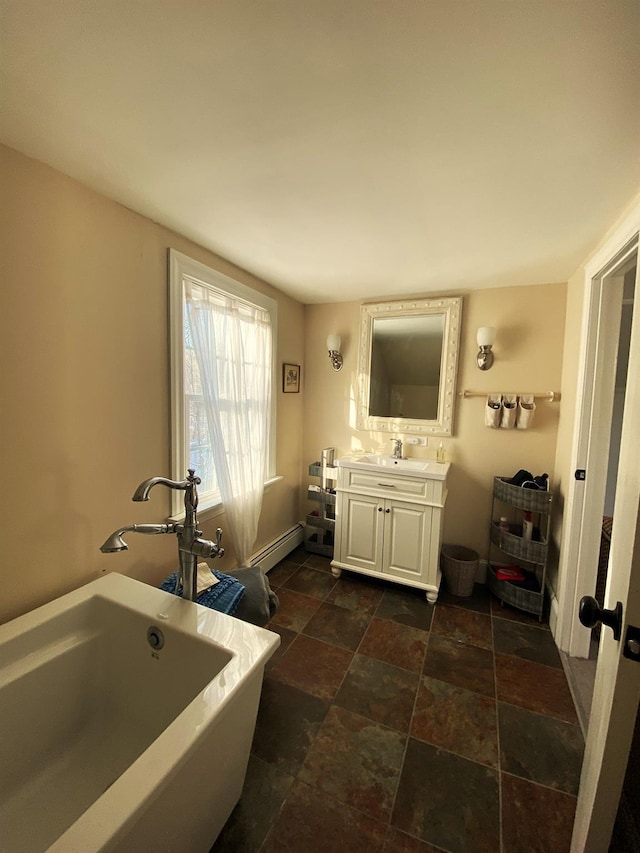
(219, 548)
(207, 548)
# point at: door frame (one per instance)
(582, 522)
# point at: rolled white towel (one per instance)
(205, 578)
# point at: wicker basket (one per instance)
(530, 600)
(459, 566)
(529, 499)
(531, 550)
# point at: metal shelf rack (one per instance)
(321, 523)
(527, 595)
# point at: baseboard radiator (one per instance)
(278, 548)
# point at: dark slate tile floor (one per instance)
(387, 724)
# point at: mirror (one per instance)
(407, 365)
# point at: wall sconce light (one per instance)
(333, 345)
(486, 337)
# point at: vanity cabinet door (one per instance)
(361, 524)
(407, 538)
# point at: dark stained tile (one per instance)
(361, 593)
(514, 614)
(399, 645)
(407, 607)
(337, 625)
(522, 733)
(444, 795)
(525, 641)
(534, 686)
(312, 822)
(287, 636)
(265, 790)
(398, 842)
(534, 818)
(313, 666)
(356, 761)
(317, 561)
(294, 610)
(379, 691)
(288, 721)
(448, 801)
(456, 719)
(311, 582)
(281, 573)
(298, 555)
(479, 600)
(466, 666)
(463, 626)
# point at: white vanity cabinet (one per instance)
(389, 520)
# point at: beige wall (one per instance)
(528, 357)
(85, 389)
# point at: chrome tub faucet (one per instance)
(190, 544)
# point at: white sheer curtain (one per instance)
(232, 344)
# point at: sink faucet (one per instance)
(397, 448)
(190, 544)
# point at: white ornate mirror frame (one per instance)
(451, 310)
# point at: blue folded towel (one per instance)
(223, 596)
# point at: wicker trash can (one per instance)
(459, 566)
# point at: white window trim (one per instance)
(181, 266)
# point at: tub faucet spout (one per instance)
(142, 492)
(190, 542)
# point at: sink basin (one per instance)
(413, 467)
(392, 462)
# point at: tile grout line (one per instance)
(495, 684)
(540, 714)
(330, 704)
(371, 616)
(413, 710)
(540, 784)
(339, 803)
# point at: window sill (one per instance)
(213, 510)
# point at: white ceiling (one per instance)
(342, 149)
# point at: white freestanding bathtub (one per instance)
(126, 719)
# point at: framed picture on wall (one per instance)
(290, 378)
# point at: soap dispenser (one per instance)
(440, 454)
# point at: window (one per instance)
(190, 283)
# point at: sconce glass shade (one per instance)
(486, 336)
(333, 343)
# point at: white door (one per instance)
(617, 685)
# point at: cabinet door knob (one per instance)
(387, 510)
(379, 509)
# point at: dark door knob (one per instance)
(590, 614)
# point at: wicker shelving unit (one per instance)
(321, 523)
(530, 555)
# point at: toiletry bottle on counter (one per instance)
(440, 455)
(527, 525)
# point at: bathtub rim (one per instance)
(108, 817)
